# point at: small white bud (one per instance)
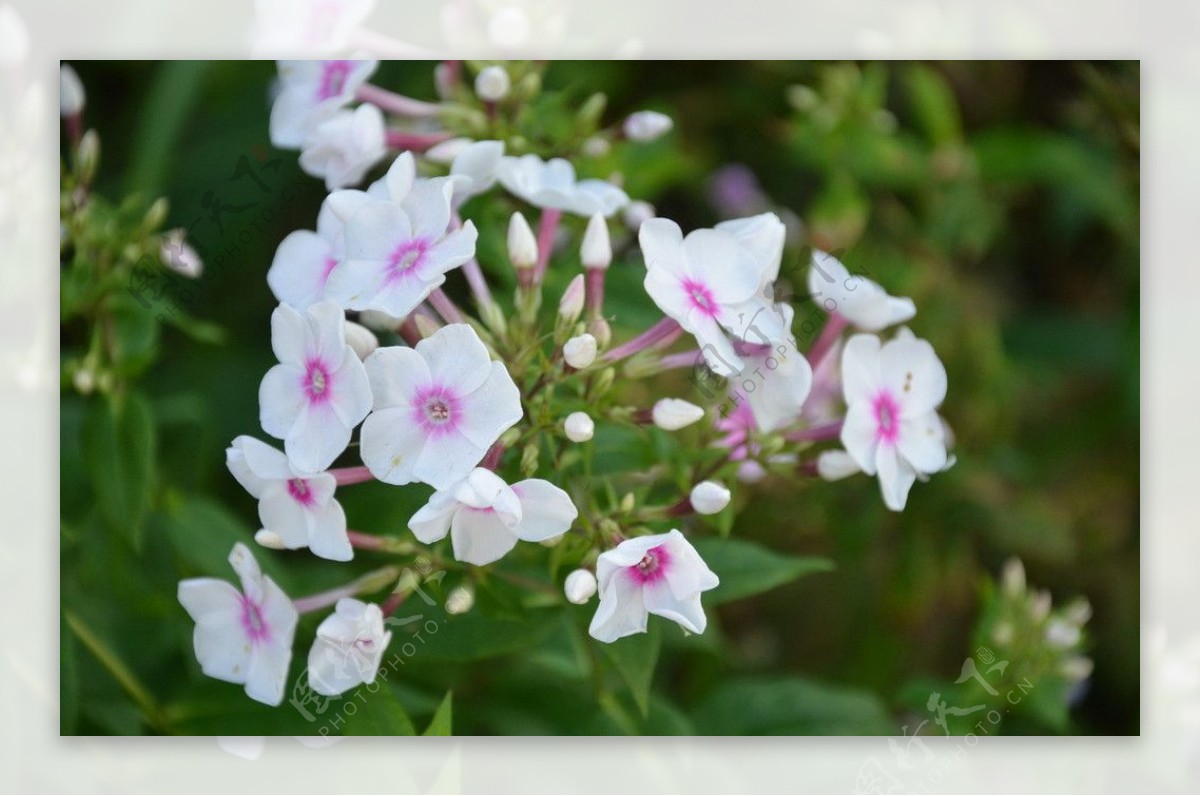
(71, 96)
(580, 586)
(637, 213)
(1061, 634)
(835, 465)
(1077, 668)
(647, 125)
(596, 147)
(750, 472)
(269, 539)
(596, 250)
(361, 339)
(1039, 608)
(1079, 611)
(709, 497)
(177, 255)
(445, 152)
(580, 351)
(579, 427)
(379, 320)
(1013, 578)
(85, 380)
(672, 414)
(570, 306)
(460, 600)
(522, 245)
(492, 84)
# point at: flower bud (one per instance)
(1079, 611)
(570, 307)
(602, 383)
(269, 539)
(1039, 608)
(1076, 668)
(579, 427)
(627, 503)
(709, 497)
(835, 465)
(522, 245)
(361, 339)
(445, 152)
(87, 156)
(492, 84)
(84, 380)
(460, 600)
(750, 472)
(1013, 578)
(1061, 634)
(71, 96)
(156, 214)
(579, 352)
(580, 586)
(596, 147)
(637, 213)
(672, 414)
(596, 251)
(599, 328)
(379, 320)
(647, 125)
(177, 255)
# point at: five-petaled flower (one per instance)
(309, 93)
(349, 646)
(305, 259)
(298, 508)
(661, 574)
(859, 300)
(892, 427)
(319, 390)
(486, 517)
(438, 408)
(242, 637)
(343, 147)
(551, 184)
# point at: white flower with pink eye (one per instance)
(486, 517)
(438, 408)
(551, 184)
(661, 575)
(345, 146)
(398, 251)
(306, 27)
(309, 93)
(319, 390)
(242, 637)
(298, 509)
(892, 427)
(859, 300)
(711, 283)
(348, 649)
(305, 259)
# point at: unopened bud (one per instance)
(1012, 581)
(627, 503)
(579, 427)
(522, 245)
(71, 96)
(177, 255)
(637, 213)
(709, 497)
(647, 125)
(599, 328)
(492, 84)
(580, 586)
(1078, 611)
(361, 339)
(1077, 668)
(604, 381)
(84, 380)
(591, 110)
(751, 472)
(1040, 606)
(672, 414)
(570, 307)
(460, 600)
(87, 156)
(1003, 634)
(269, 539)
(529, 459)
(596, 250)
(156, 214)
(579, 352)
(835, 465)
(596, 147)
(553, 541)
(1061, 634)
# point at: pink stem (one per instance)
(345, 476)
(395, 103)
(446, 77)
(445, 306)
(415, 142)
(594, 278)
(819, 433)
(477, 282)
(547, 228)
(364, 541)
(491, 459)
(392, 603)
(684, 359)
(829, 335)
(409, 331)
(665, 329)
(324, 599)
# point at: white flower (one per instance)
(522, 245)
(318, 392)
(646, 125)
(344, 147)
(473, 169)
(710, 283)
(361, 339)
(177, 255)
(305, 259)
(492, 84)
(297, 510)
(309, 93)
(399, 250)
(579, 427)
(672, 414)
(485, 517)
(764, 235)
(892, 427)
(71, 96)
(242, 637)
(596, 249)
(438, 408)
(580, 586)
(637, 213)
(348, 649)
(857, 299)
(552, 185)
(580, 351)
(777, 378)
(661, 575)
(709, 497)
(306, 27)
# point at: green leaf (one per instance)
(378, 713)
(634, 658)
(118, 450)
(198, 330)
(791, 706)
(202, 532)
(746, 568)
(442, 722)
(933, 104)
(474, 636)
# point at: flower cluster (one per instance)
(378, 362)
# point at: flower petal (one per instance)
(327, 535)
(922, 442)
(447, 459)
(916, 375)
(431, 523)
(289, 335)
(723, 264)
(428, 207)
(280, 514)
(280, 399)
(622, 611)
(351, 399)
(375, 230)
(391, 445)
(764, 236)
(316, 439)
(301, 265)
(457, 358)
(491, 409)
(480, 537)
(660, 601)
(546, 510)
(896, 477)
(661, 241)
(451, 251)
(860, 436)
(266, 677)
(395, 374)
(861, 376)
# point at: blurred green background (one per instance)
(1003, 197)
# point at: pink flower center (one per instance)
(317, 381)
(298, 489)
(436, 410)
(887, 417)
(700, 297)
(253, 621)
(333, 78)
(330, 264)
(653, 566)
(406, 259)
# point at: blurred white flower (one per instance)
(859, 300)
(180, 257)
(552, 185)
(309, 93)
(343, 148)
(646, 125)
(348, 649)
(492, 84)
